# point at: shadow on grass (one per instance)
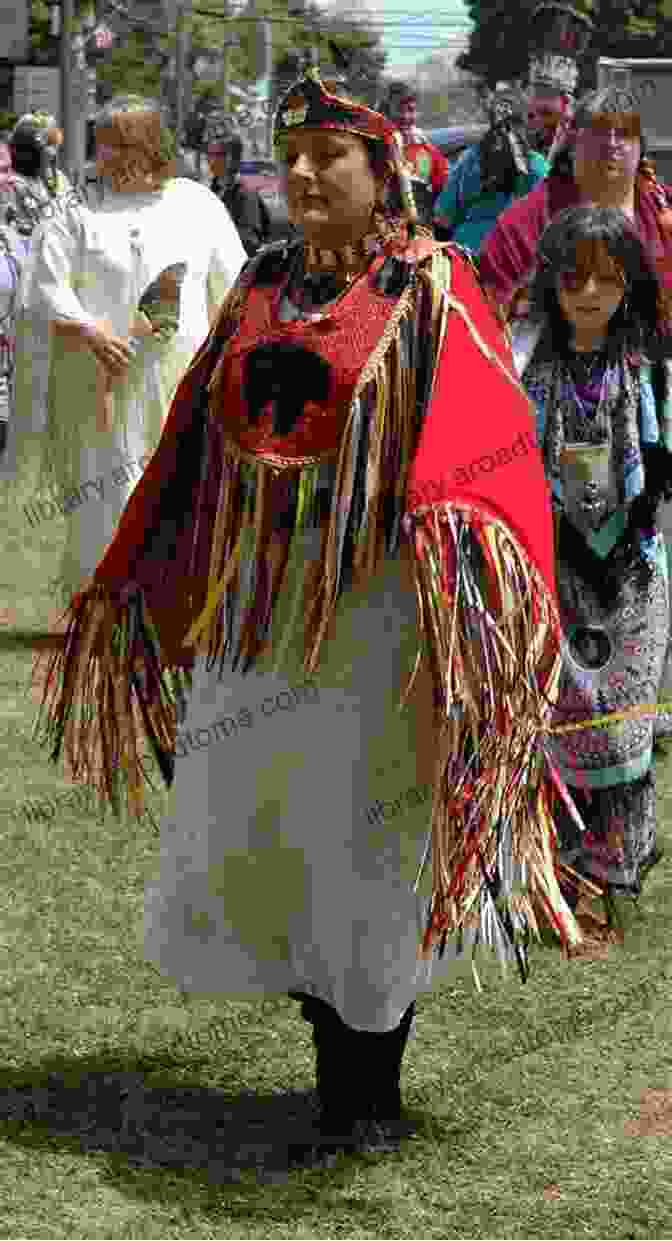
(154, 1125)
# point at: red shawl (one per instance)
(479, 520)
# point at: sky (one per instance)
(412, 29)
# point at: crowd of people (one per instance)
(309, 516)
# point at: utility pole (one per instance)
(182, 43)
(230, 41)
(263, 69)
(68, 118)
(226, 49)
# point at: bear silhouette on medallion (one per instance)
(286, 375)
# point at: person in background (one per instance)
(7, 174)
(546, 110)
(40, 187)
(246, 207)
(13, 251)
(426, 161)
(591, 360)
(489, 175)
(559, 38)
(602, 163)
(128, 292)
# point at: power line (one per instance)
(373, 24)
(446, 24)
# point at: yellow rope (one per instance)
(603, 721)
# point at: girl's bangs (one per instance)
(590, 256)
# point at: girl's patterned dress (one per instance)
(594, 421)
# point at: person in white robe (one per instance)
(128, 291)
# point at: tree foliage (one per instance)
(359, 44)
(142, 50)
(499, 44)
(43, 48)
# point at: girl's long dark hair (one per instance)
(637, 327)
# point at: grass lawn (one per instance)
(130, 1111)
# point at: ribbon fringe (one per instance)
(247, 576)
(490, 633)
(103, 691)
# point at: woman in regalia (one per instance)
(592, 360)
(310, 518)
(128, 292)
(489, 175)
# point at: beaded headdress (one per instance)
(560, 37)
(308, 104)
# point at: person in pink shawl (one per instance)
(604, 164)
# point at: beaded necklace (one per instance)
(321, 275)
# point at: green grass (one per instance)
(129, 1111)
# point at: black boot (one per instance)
(383, 1072)
(358, 1080)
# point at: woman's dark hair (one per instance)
(610, 99)
(379, 160)
(637, 325)
(26, 153)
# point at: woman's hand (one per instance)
(113, 352)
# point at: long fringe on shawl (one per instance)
(113, 682)
(491, 638)
(367, 506)
(113, 689)
(490, 630)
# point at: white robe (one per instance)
(88, 265)
(297, 822)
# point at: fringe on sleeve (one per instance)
(104, 692)
(490, 633)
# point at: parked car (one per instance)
(263, 175)
(455, 139)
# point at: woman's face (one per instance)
(405, 114)
(330, 187)
(607, 153)
(590, 293)
(544, 114)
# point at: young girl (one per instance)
(591, 359)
